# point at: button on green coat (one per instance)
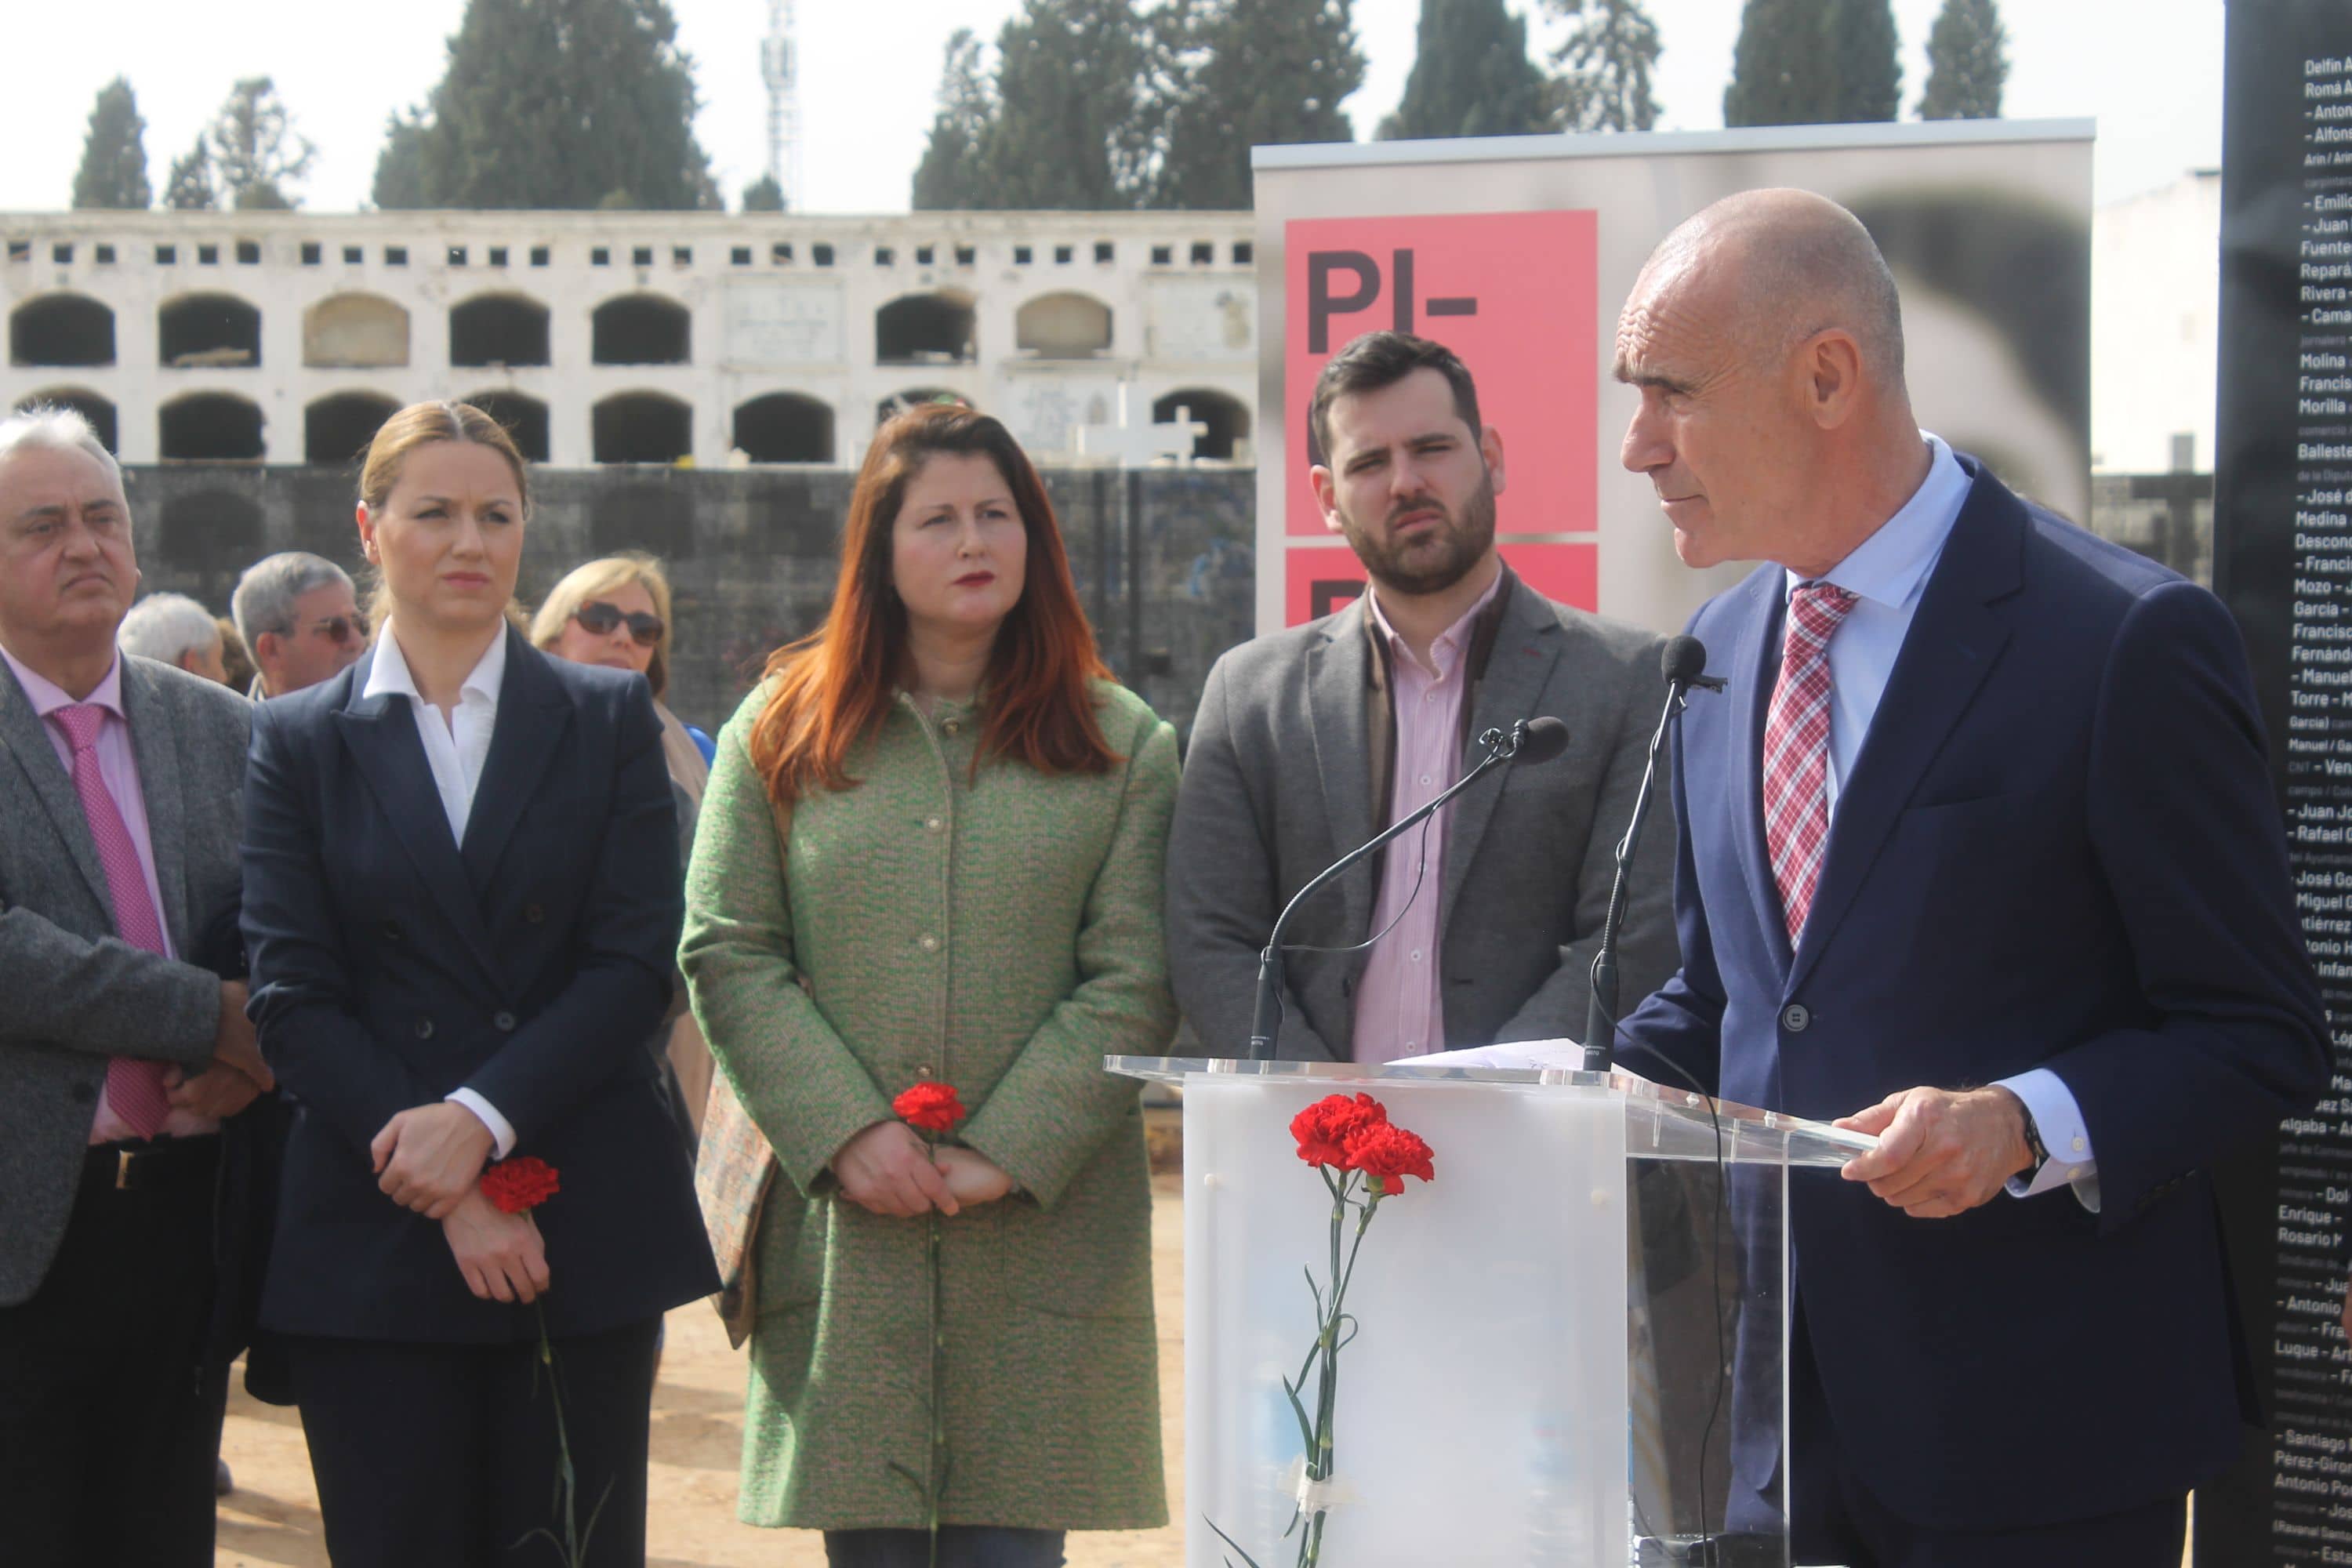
(1000, 933)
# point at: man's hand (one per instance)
(233, 1042)
(430, 1157)
(1940, 1153)
(887, 1169)
(219, 1092)
(502, 1256)
(972, 1176)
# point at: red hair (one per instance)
(834, 686)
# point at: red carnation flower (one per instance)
(1324, 1128)
(933, 1106)
(1388, 1154)
(516, 1185)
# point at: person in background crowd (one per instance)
(931, 852)
(300, 620)
(1486, 921)
(236, 660)
(173, 629)
(617, 612)
(124, 1044)
(1980, 855)
(461, 899)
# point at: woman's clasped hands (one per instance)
(429, 1159)
(889, 1170)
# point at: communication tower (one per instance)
(780, 68)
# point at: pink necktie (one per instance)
(1797, 750)
(134, 1086)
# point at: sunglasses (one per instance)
(599, 619)
(340, 629)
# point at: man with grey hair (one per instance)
(1978, 856)
(173, 629)
(124, 1046)
(300, 617)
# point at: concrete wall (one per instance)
(1161, 556)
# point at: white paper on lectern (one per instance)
(1482, 1403)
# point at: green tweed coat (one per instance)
(1000, 933)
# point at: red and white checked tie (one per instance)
(1797, 750)
(134, 1086)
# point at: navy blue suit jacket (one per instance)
(392, 965)
(2058, 847)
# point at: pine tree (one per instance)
(1967, 63)
(1814, 62)
(190, 187)
(764, 195)
(113, 171)
(1869, 64)
(950, 177)
(1071, 130)
(554, 103)
(1250, 73)
(1606, 64)
(1471, 76)
(256, 150)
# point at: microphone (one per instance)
(1682, 663)
(1529, 741)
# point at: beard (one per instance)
(1435, 561)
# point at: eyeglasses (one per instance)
(598, 620)
(340, 629)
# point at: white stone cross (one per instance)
(1134, 446)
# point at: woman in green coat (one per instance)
(931, 853)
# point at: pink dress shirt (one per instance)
(1399, 1009)
(117, 764)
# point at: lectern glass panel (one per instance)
(1570, 1348)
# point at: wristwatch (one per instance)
(2033, 1145)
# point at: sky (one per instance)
(2149, 72)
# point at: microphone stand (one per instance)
(1501, 747)
(1601, 1012)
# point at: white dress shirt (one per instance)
(1888, 573)
(454, 748)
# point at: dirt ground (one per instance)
(271, 1520)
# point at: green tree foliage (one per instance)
(1814, 62)
(256, 151)
(1471, 76)
(1065, 121)
(189, 188)
(1967, 63)
(1250, 73)
(113, 171)
(1606, 63)
(1073, 126)
(554, 103)
(950, 176)
(764, 195)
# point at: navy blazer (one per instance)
(392, 965)
(2058, 847)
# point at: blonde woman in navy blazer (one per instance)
(461, 900)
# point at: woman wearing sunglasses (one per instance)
(616, 612)
(461, 901)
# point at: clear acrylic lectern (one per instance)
(1553, 1341)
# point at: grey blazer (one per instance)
(74, 993)
(1278, 784)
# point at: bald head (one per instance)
(1784, 266)
(1765, 338)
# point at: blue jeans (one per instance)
(960, 1546)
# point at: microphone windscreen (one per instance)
(1546, 738)
(1683, 660)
